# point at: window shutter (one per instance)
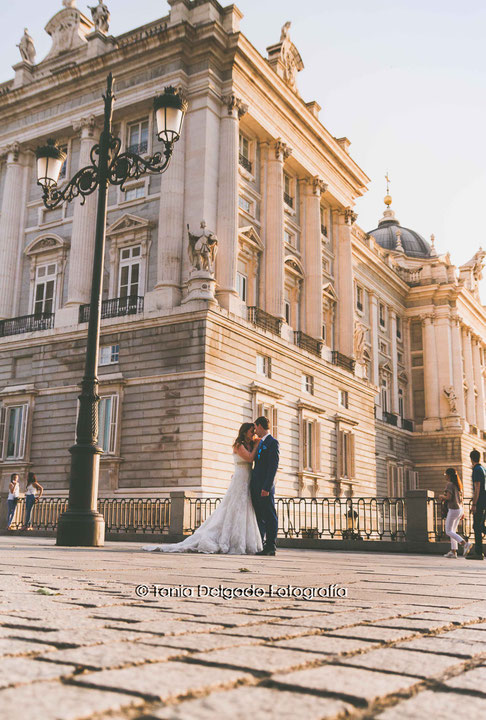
(341, 455)
(260, 410)
(304, 443)
(352, 471)
(317, 446)
(275, 423)
(400, 482)
(23, 430)
(113, 423)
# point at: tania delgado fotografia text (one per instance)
(248, 591)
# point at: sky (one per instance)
(403, 80)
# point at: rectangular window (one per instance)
(137, 137)
(323, 213)
(45, 288)
(383, 348)
(384, 394)
(16, 427)
(264, 365)
(130, 265)
(271, 413)
(382, 315)
(400, 358)
(289, 238)
(344, 398)
(324, 333)
(359, 298)
(63, 171)
(109, 354)
(308, 384)
(346, 451)
(241, 285)
(400, 402)
(244, 147)
(288, 314)
(308, 444)
(245, 205)
(288, 194)
(399, 328)
(135, 192)
(107, 422)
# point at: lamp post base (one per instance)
(81, 528)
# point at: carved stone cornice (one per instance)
(85, 125)
(235, 106)
(282, 150)
(350, 216)
(318, 186)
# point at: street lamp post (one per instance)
(82, 524)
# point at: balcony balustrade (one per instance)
(26, 323)
(115, 307)
(244, 162)
(264, 320)
(343, 361)
(306, 342)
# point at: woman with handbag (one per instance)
(453, 512)
(12, 499)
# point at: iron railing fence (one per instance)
(138, 148)
(122, 515)
(244, 162)
(366, 518)
(264, 320)
(115, 307)
(343, 361)
(199, 511)
(465, 527)
(26, 323)
(306, 342)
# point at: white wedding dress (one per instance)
(232, 528)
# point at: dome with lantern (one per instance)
(390, 235)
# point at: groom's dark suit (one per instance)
(262, 478)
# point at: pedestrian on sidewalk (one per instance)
(33, 487)
(478, 506)
(452, 496)
(12, 498)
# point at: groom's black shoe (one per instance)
(267, 551)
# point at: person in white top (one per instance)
(12, 499)
(33, 487)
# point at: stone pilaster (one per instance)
(82, 235)
(375, 360)
(469, 374)
(478, 380)
(172, 238)
(406, 323)
(312, 256)
(227, 218)
(457, 365)
(394, 359)
(274, 245)
(344, 277)
(10, 226)
(431, 380)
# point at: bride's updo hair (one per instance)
(240, 440)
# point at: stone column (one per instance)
(82, 236)
(274, 247)
(172, 237)
(457, 365)
(375, 360)
(431, 380)
(469, 373)
(227, 222)
(394, 355)
(10, 230)
(344, 278)
(443, 343)
(312, 256)
(478, 380)
(408, 366)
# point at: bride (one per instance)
(232, 528)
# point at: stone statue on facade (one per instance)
(26, 47)
(101, 16)
(202, 249)
(451, 398)
(359, 343)
(285, 58)
(471, 273)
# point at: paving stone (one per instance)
(406, 662)
(13, 646)
(415, 623)
(471, 680)
(19, 670)
(202, 641)
(261, 658)
(161, 681)
(326, 644)
(99, 657)
(448, 643)
(439, 705)
(54, 701)
(350, 682)
(257, 703)
(371, 632)
(268, 631)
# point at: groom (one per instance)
(262, 486)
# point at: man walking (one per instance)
(262, 486)
(478, 505)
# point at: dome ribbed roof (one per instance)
(390, 234)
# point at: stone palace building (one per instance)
(367, 350)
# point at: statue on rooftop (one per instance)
(101, 16)
(26, 47)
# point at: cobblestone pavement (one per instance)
(408, 641)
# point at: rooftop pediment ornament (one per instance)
(68, 29)
(285, 59)
(471, 273)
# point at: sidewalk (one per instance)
(409, 639)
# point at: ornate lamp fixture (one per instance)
(81, 524)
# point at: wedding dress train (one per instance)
(232, 528)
